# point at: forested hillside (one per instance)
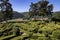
(56, 15)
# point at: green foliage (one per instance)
(56, 15)
(7, 10)
(56, 34)
(31, 30)
(16, 31)
(40, 8)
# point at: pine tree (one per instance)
(6, 9)
(41, 8)
(33, 8)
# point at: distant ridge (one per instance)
(56, 14)
(17, 15)
(25, 14)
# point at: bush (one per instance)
(55, 19)
(1, 33)
(56, 34)
(16, 31)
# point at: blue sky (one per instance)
(23, 5)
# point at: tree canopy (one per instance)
(6, 9)
(41, 8)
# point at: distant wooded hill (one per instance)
(25, 14)
(18, 15)
(56, 15)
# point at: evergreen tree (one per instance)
(33, 8)
(6, 9)
(41, 8)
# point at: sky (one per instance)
(24, 5)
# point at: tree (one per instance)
(41, 8)
(50, 9)
(33, 8)
(6, 9)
